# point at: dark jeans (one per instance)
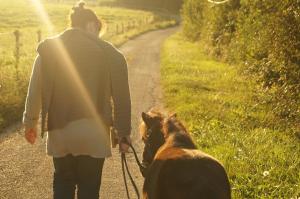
(83, 171)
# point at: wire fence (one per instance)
(11, 43)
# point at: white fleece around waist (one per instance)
(80, 137)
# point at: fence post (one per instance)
(122, 31)
(133, 24)
(39, 35)
(117, 29)
(17, 51)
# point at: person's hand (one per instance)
(123, 144)
(31, 135)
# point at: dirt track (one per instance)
(26, 171)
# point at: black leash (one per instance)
(125, 165)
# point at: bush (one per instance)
(170, 5)
(262, 37)
(193, 18)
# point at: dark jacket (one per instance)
(80, 75)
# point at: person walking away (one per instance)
(79, 84)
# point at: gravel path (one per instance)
(26, 171)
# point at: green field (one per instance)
(220, 108)
(22, 15)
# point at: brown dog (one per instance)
(175, 168)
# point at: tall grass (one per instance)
(220, 108)
(21, 15)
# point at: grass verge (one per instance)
(220, 108)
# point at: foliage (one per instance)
(171, 5)
(193, 18)
(261, 36)
(220, 108)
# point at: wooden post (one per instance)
(17, 50)
(117, 29)
(133, 24)
(123, 28)
(39, 35)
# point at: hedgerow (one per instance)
(262, 37)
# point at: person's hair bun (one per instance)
(79, 6)
(81, 16)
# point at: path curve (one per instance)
(26, 171)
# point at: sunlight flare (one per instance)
(70, 67)
(43, 14)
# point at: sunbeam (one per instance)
(43, 14)
(70, 67)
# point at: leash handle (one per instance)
(125, 141)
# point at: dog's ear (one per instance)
(147, 119)
(173, 115)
